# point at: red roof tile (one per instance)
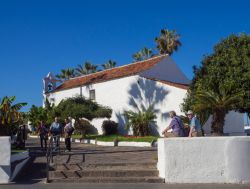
(114, 73)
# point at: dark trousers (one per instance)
(56, 139)
(43, 140)
(68, 143)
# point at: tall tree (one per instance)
(86, 68)
(143, 54)
(137, 57)
(66, 74)
(45, 114)
(146, 53)
(227, 67)
(109, 64)
(219, 103)
(10, 114)
(168, 41)
(36, 115)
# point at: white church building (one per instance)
(157, 81)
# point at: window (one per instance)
(52, 100)
(92, 94)
(50, 87)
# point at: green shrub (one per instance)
(79, 107)
(109, 127)
(140, 121)
(83, 127)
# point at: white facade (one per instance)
(5, 161)
(204, 159)
(127, 93)
(142, 89)
(166, 70)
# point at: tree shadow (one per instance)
(35, 169)
(122, 123)
(92, 130)
(145, 93)
(165, 116)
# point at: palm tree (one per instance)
(168, 41)
(109, 64)
(146, 53)
(36, 115)
(9, 114)
(66, 74)
(86, 68)
(219, 103)
(143, 54)
(137, 57)
(140, 121)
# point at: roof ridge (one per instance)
(142, 61)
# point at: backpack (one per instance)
(70, 130)
(181, 126)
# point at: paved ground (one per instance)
(35, 171)
(124, 186)
(101, 154)
(33, 176)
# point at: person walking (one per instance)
(43, 133)
(68, 130)
(176, 125)
(22, 136)
(195, 126)
(56, 131)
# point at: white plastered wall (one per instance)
(124, 93)
(5, 165)
(167, 70)
(204, 159)
(60, 95)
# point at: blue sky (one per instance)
(41, 36)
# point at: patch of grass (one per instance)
(111, 138)
(15, 151)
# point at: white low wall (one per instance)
(102, 143)
(19, 156)
(5, 165)
(204, 159)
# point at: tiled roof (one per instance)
(114, 73)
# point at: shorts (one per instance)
(196, 134)
(170, 135)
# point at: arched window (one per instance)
(50, 87)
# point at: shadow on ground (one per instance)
(35, 169)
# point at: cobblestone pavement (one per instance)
(124, 186)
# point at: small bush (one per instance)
(140, 121)
(109, 127)
(82, 127)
